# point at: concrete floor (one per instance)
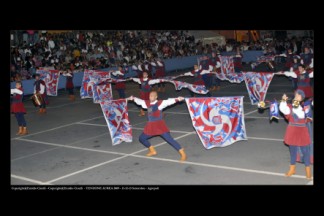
(71, 145)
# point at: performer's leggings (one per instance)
(121, 93)
(306, 154)
(20, 119)
(43, 105)
(143, 138)
(70, 91)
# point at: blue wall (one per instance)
(170, 65)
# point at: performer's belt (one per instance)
(297, 124)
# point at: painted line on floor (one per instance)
(29, 180)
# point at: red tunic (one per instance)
(145, 89)
(121, 85)
(297, 133)
(155, 125)
(69, 82)
(303, 83)
(17, 104)
(198, 80)
(160, 71)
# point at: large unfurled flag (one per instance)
(199, 89)
(257, 84)
(51, 78)
(218, 121)
(116, 115)
(86, 87)
(227, 70)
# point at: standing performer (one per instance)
(145, 88)
(156, 125)
(237, 60)
(159, 73)
(297, 134)
(17, 108)
(303, 80)
(69, 83)
(120, 86)
(198, 80)
(40, 88)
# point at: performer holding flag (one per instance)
(145, 88)
(120, 86)
(156, 125)
(198, 80)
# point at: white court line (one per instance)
(155, 158)
(47, 150)
(106, 162)
(173, 131)
(136, 128)
(220, 167)
(29, 180)
(66, 125)
(261, 138)
(250, 112)
(53, 107)
(259, 117)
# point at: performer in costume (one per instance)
(17, 108)
(156, 125)
(303, 80)
(69, 84)
(40, 87)
(120, 86)
(297, 134)
(159, 73)
(145, 83)
(307, 59)
(237, 60)
(198, 80)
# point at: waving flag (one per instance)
(51, 78)
(274, 110)
(227, 64)
(116, 115)
(86, 87)
(257, 84)
(199, 89)
(218, 121)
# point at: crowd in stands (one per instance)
(93, 49)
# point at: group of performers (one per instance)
(297, 133)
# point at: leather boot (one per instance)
(183, 155)
(151, 151)
(24, 131)
(292, 170)
(20, 130)
(308, 173)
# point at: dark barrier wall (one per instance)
(170, 65)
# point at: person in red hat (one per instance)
(40, 87)
(156, 125)
(297, 133)
(17, 108)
